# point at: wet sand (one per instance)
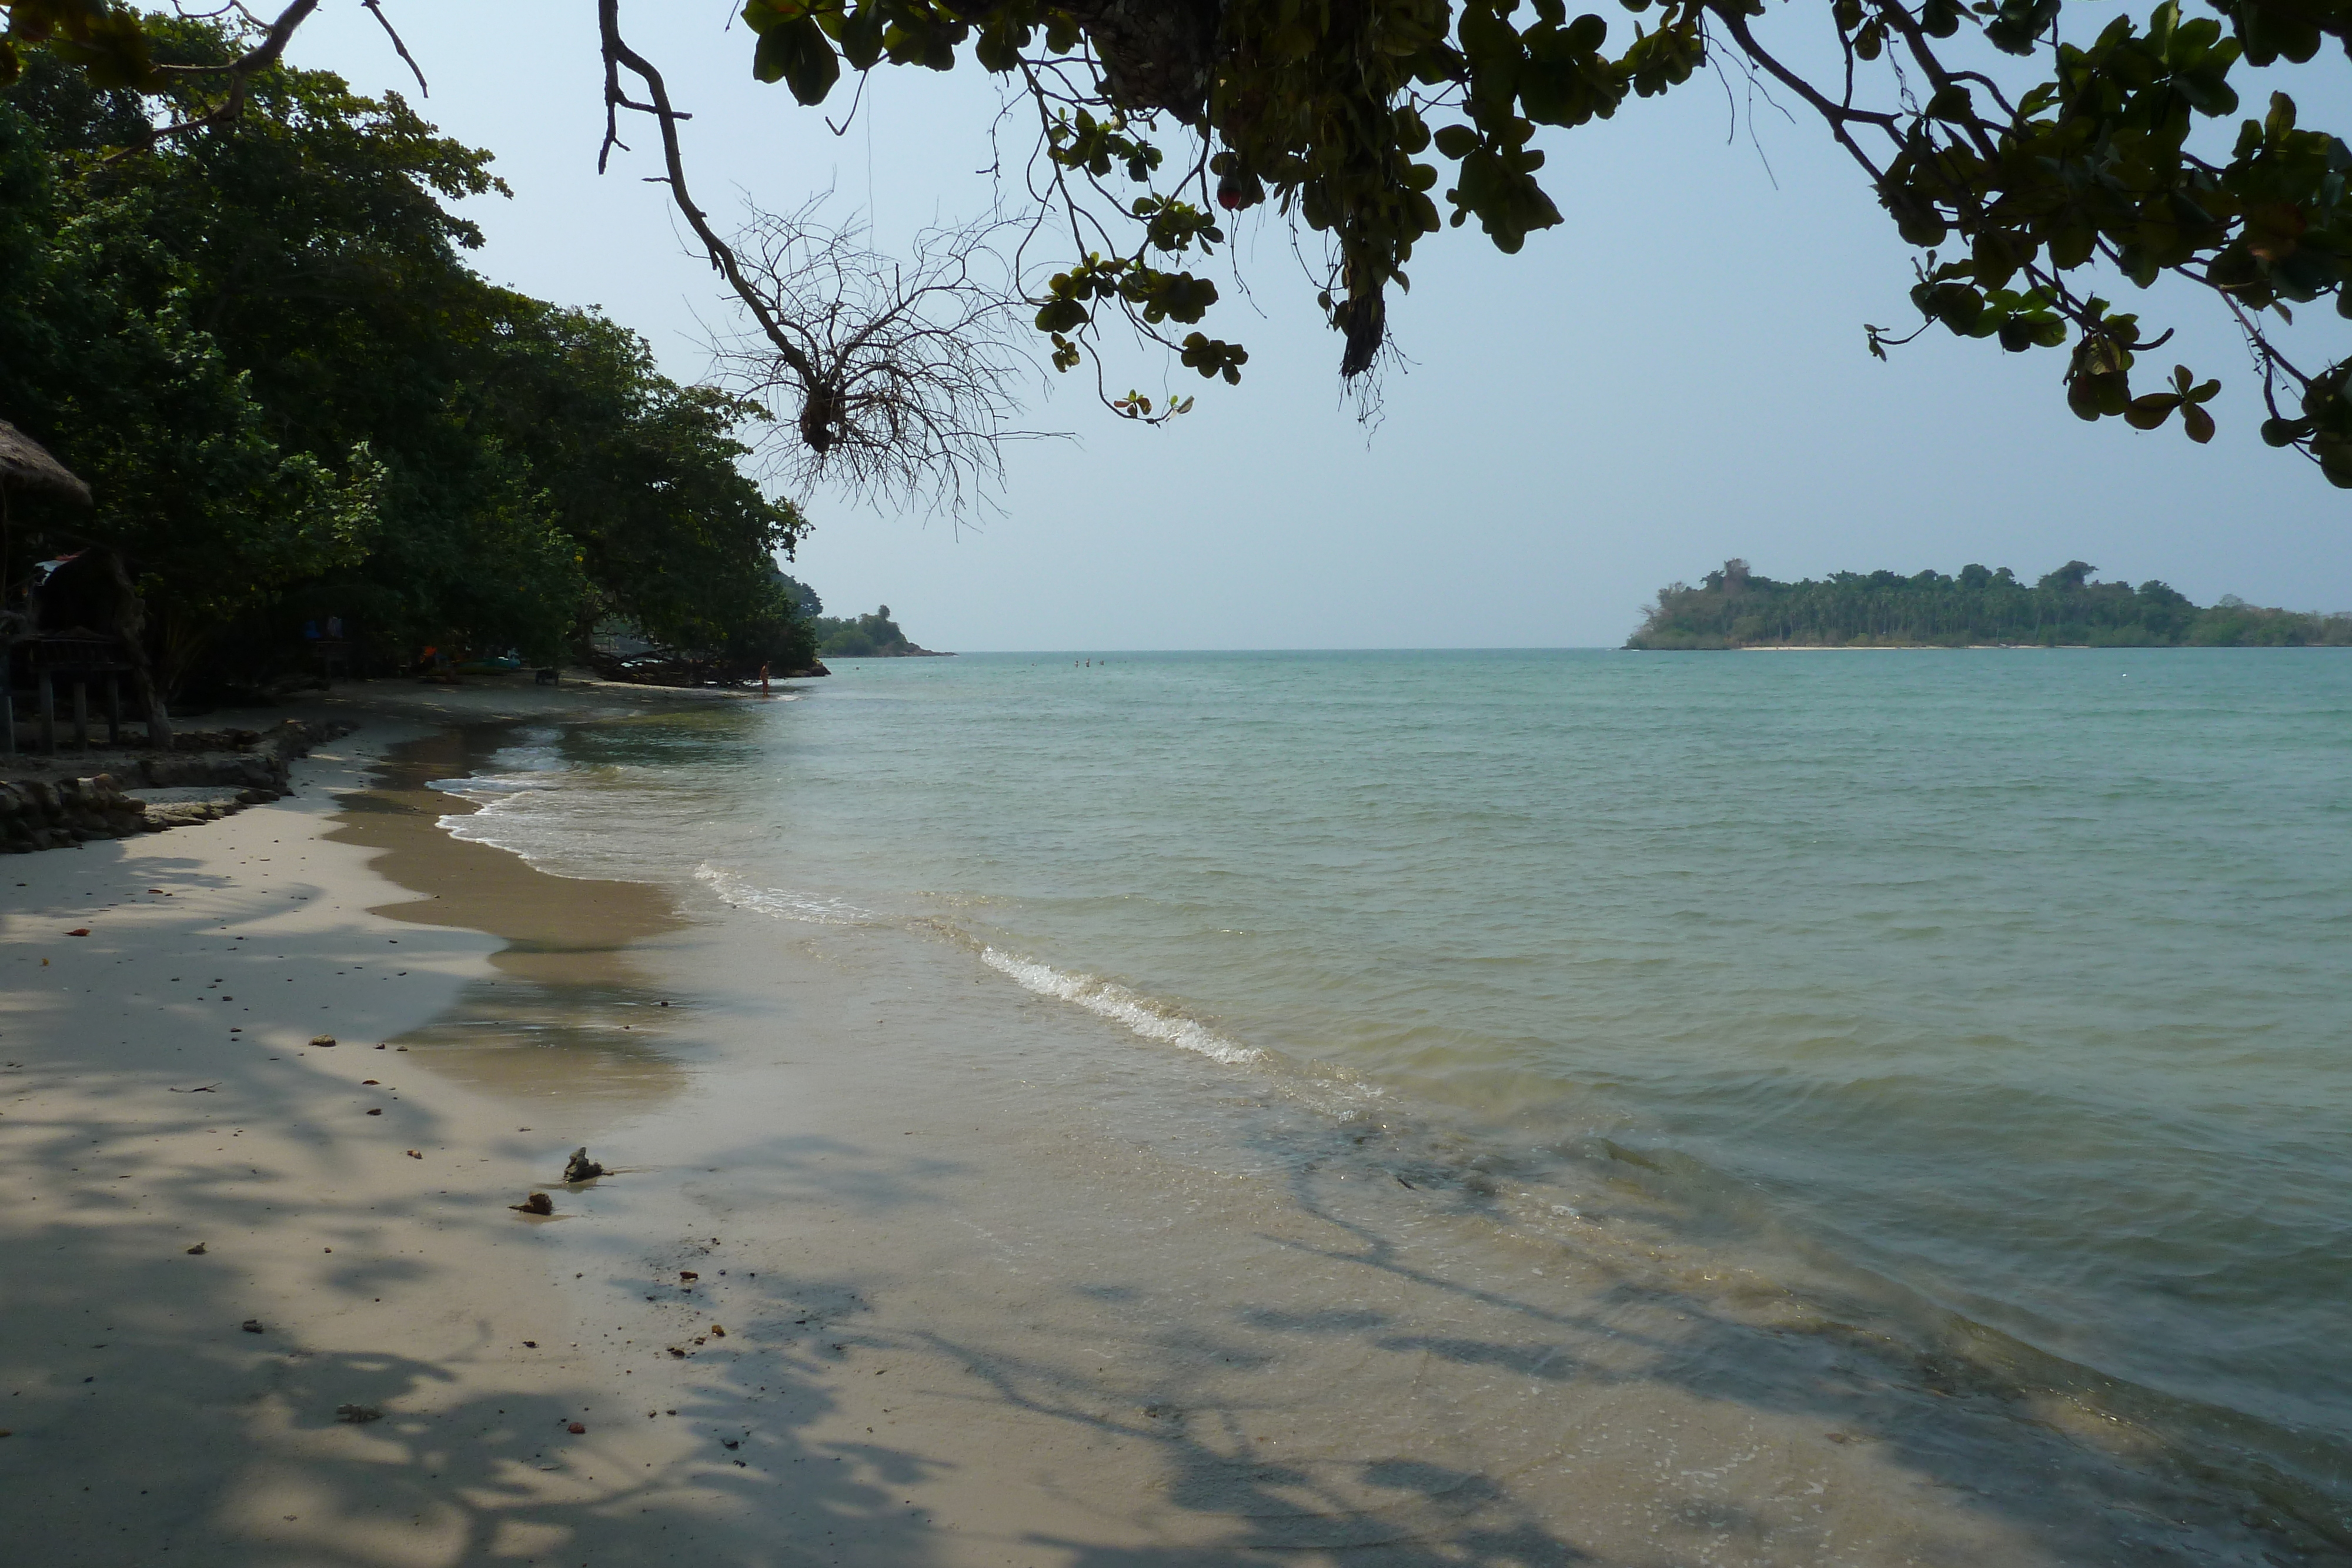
(999, 1284)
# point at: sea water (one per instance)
(2015, 982)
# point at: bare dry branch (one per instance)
(375, 9)
(897, 378)
(902, 380)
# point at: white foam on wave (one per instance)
(494, 788)
(780, 902)
(495, 797)
(1106, 1000)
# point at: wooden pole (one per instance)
(81, 712)
(48, 705)
(150, 697)
(114, 708)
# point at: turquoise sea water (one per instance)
(2017, 981)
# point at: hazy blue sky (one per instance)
(1675, 375)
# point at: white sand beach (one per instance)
(859, 1289)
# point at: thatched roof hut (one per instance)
(26, 466)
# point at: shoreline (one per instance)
(962, 1323)
(402, 1308)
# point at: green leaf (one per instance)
(2017, 27)
(796, 52)
(1456, 141)
(861, 35)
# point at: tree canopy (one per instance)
(874, 636)
(2034, 163)
(1734, 608)
(293, 400)
(2040, 163)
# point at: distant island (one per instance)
(875, 636)
(1734, 608)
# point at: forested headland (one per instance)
(874, 636)
(295, 405)
(1734, 608)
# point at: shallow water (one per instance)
(2012, 982)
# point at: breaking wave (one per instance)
(1147, 1018)
(782, 903)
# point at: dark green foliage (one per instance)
(105, 358)
(2035, 166)
(641, 474)
(292, 400)
(2035, 160)
(1734, 608)
(805, 597)
(875, 636)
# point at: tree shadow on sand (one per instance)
(145, 1424)
(1301, 1416)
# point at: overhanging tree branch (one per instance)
(240, 72)
(898, 376)
(618, 56)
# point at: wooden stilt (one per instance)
(143, 687)
(114, 708)
(81, 714)
(49, 695)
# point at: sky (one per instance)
(1674, 376)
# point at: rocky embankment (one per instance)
(207, 774)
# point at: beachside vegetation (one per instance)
(1734, 608)
(298, 407)
(874, 636)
